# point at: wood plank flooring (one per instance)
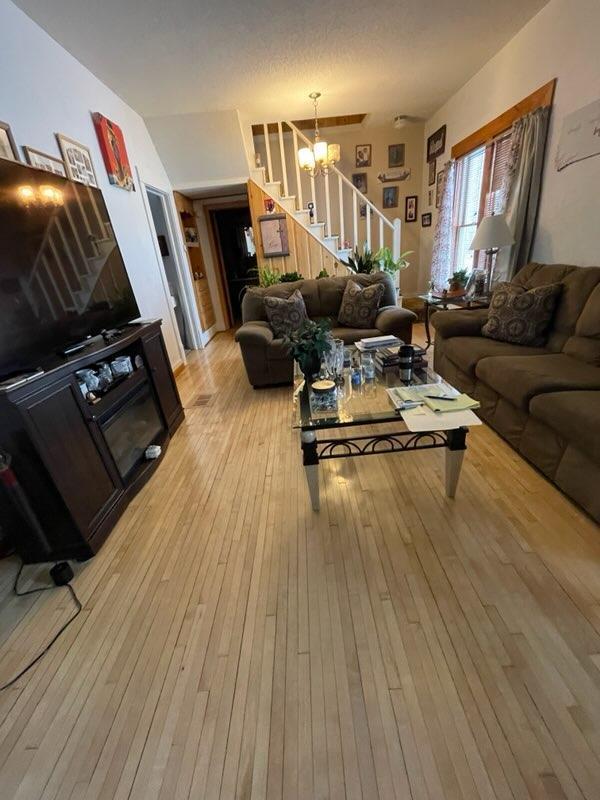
(234, 644)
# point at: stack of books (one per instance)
(388, 358)
(376, 342)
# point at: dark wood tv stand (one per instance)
(63, 452)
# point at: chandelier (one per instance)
(320, 158)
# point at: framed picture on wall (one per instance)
(274, 235)
(390, 196)
(45, 161)
(78, 160)
(359, 179)
(363, 155)
(395, 155)
(410, 208)
(362, 210)
(436, 143)
(114, 152)
(432, 172)
(8, 147)
(426, 220)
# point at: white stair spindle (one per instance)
(327, 205)
(396, 239)
(268, 147)
(368, 226)
(298, 181)
(341, 199)
(380, 232)
(355, 219)
(283, 164)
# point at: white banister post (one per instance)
(368, 226)
(298, 181)
(354, 219)
(327, 204)
(380, 232)
(283, 164)
(268, 147)
(396, 239)
(342, 242)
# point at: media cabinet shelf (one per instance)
(61, 452)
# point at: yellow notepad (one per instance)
(460, 402)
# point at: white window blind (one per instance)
(467, 204)
(494, 200)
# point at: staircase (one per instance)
(336, 202)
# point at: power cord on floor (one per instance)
(61, 575)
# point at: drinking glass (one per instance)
(368, 366)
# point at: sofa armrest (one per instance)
(459, 323)
(393, 320)
(255, 333)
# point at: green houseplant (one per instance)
(364, 262)
(267, 276)
(458, 280)
(308, 344)
(289, 277)
(386, 261)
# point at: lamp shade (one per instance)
(493, 232)
(320, 151)
(306, 158)
(333, 153)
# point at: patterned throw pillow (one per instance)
(285, 316)
(359, 306)
(521, 316)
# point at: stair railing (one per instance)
(358, 197)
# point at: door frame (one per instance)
(217, 254)
(184, 279)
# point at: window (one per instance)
(479, 180)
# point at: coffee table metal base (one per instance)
(315, 450)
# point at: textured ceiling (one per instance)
(263, 58)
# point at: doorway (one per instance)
(167, 252)
(232, 228)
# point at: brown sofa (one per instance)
(267, 360)
(545, 401)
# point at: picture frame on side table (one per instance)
(436, 143)
(410, 208)
(390, 197)
(426, 220)
(41, 160)
(274, 235)
(8, 146)
(78, 161)
(432, 166)
(363, 155)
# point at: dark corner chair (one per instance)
(545, 401)
(266, 358)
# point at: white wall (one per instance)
(43, 89)
(561, 41)
(201, 150)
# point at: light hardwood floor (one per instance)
(235, 644)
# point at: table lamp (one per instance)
(491, 235)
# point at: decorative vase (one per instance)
(310, 366)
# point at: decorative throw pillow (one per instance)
(285, 315)
(521, 316)
(359, 305)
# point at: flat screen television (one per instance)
(62, 275)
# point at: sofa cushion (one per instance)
(466, 351)
(253, 303)
(519, 315)
(575, 416)
(331, 290)
(359, 305)
(351, 335)
(585, 344)
(285, 315)
(578, 284)
(519, 378)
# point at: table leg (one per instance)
(310, 459)
(427, 333)
(455, 451)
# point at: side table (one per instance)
(466, 303)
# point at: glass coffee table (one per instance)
(369, 405)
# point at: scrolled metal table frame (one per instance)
(315, 450)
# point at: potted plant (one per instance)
(267, 276)
(364, 262)
(290, 277)
(392, 266)
(458, 282)
(308, 344)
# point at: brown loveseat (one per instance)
(545, 401)
(267, 360)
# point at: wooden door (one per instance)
(191, 235)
